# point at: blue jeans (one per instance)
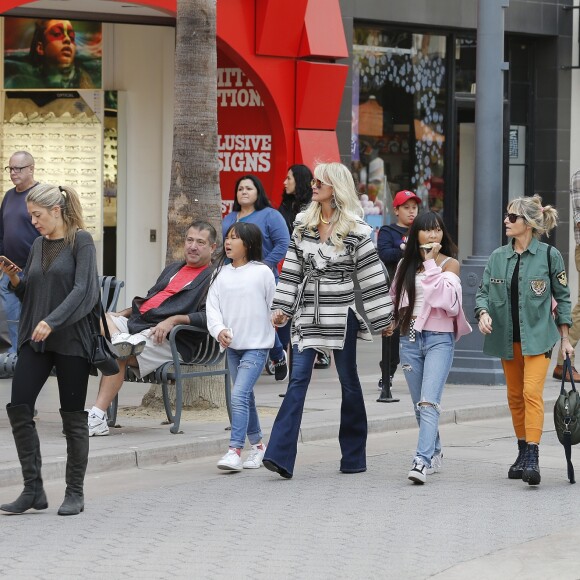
(12, 307)
(245, 369)
(426, 364)
(283, 443)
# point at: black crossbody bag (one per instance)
(103, 353)
(567, 417)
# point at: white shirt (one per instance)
(240, 299)
(419, 297)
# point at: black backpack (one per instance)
(567, 417)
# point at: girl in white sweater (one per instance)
(238, 317)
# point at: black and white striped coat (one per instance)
(316, 288)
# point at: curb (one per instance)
(147, 456)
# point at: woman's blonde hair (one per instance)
(541, 219)
(67, 199)
(348, 207)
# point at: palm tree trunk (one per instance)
(194, 192)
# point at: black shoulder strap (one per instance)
(549, 260)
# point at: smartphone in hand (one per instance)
(7, 263)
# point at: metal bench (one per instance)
(110, 289)
(207, 355)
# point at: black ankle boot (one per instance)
(76, 430)
(517, 469)
(531, 474)
(28, 448)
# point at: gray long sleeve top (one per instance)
(62, 296)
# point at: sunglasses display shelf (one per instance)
(67, 150)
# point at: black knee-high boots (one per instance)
(28, 448)
(76, 430)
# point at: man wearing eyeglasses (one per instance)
(16, 233)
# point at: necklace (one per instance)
(323, 220)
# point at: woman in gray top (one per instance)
(59, 290)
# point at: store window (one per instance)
(465, 64)
(398, 118)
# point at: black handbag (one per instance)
(103, 353)
(567, 417)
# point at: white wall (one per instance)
(139, 62)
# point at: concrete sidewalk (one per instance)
(141, 441)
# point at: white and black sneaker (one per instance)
(418, 473)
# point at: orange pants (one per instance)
(525, 376)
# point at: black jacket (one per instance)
(189, 300)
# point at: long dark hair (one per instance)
(302, 195)
(251, 237)
(412, 261)
(262, 200)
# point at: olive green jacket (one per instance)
(538, 328)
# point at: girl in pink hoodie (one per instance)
(428, 308)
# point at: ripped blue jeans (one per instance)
(426, 363)
(245, 369)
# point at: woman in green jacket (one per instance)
(514, 308)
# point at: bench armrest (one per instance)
(185, 328)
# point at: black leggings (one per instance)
(32, 370)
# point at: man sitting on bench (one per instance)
(140, 333)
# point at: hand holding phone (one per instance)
(8, 266)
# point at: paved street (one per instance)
(189, 520)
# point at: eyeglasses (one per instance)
(9, 169)
(318, 183)
(512, 217)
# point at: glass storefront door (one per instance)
(398, 117)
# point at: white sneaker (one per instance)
(436, 464)
(98, 426)
(128, 345)
(418, 473)
(254, 460)
(231, 461)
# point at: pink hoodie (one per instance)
(442, 306)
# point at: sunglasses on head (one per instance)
(512, 217)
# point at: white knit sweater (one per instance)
(240, 299)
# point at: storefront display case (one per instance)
(65, 136)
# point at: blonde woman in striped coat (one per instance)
(329, 246)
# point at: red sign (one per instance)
(245, 141)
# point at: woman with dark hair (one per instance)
(59, 291)
(297, 193)
(428, 309)
(238, 317)
(514, 309)
(251, 205)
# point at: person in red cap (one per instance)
(390, 246)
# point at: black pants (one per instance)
(32, 370)
(394, 352)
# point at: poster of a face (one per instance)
(52, 54)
